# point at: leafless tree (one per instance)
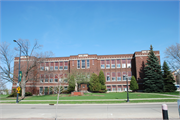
(173, 56)
(29, 67)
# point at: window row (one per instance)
(54, 66)
(116, 76)
(116, 63)
(83, 64)
(51, 90)
(53, 78)
(115, 88)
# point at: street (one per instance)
(149, 110)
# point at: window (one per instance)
(65, 65)
(118, 65)
(46, 90)
(60, 77)
(93, 62)
(119, 88)
(119, 76)
(108, 76)
(47, 78)
(102, 64)
(88, 64)
(125, 87)
(65, 80)
(73, 63)
(51, 66)
(56, 66)
(51, 78)
(56, 78)
(50, 90)
(129, 75)
(108, 88)
(42, 67)
(83, 63)
(129, 63)
(78, 64)
(61, 66)
(123, 63)
(124, 76)
(112, 63)
(42, 78)
(41, 91)
(114, 88)
(107, 64)
(113, 76)
(47, 66)
(65, 87)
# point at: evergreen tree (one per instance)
(94, 83)
(72, 85)
(102, 80)
(168, 79)
(133, 84)
(153, 81)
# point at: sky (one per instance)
(92, 27)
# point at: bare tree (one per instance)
(173, 56)
(30, 65)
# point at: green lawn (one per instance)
(91, 96)
(93, 102)
(171, 93)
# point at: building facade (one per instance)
(115, 68)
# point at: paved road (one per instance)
(105, 111)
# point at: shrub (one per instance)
(28, 94)
(103, 87)
(65, 92)
(102, 91)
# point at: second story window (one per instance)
(65, 65)
(61, 66)
(108, 78)
(51, 78)
(107, 64)
(118, 76)
(124, 76)
(42, 67)
(56, 66)
(56, 78)
(129, 63)
(123, 63)
(47, 66)
(78, 64)
(112, 63)
(113, 76)
(83, 63)
(129, 75)
(42, 78)
(118, 63)
(88, 64)
(47, 78)
(51, 66)
(102, 64)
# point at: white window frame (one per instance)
(65, 87)
(78, 64)
(65, 80)
(56, 80)
(88, 63)
(51, 80)
(108, 65)
(118, 65)
(124, 65)
(42, 68)
(47, 80)
(41, 81)
(60, 67)
(46, 68)
(113, 88)
(129, 65)
(119, 89)
(108, 76)
(102, 66)
(108, 89)
(40, 91)
(113, 65)
(65, 67)
(118, 78)
(51, 68)
(83, 67)
(114, 78)
(56, 68)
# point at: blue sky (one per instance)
(94, 27)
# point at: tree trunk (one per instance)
(23, 85)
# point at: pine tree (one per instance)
(71, 82)
(133, 84)
(94, 83)
(102, 80)
(153, 81)
(168, 79)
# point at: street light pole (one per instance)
(127, 89)
(19, 70)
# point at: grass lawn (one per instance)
(93, 102)
(171, 93)
(91, 96)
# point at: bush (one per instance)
(102, 91)
(103, 87)
(65, 92)
(28, 94)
